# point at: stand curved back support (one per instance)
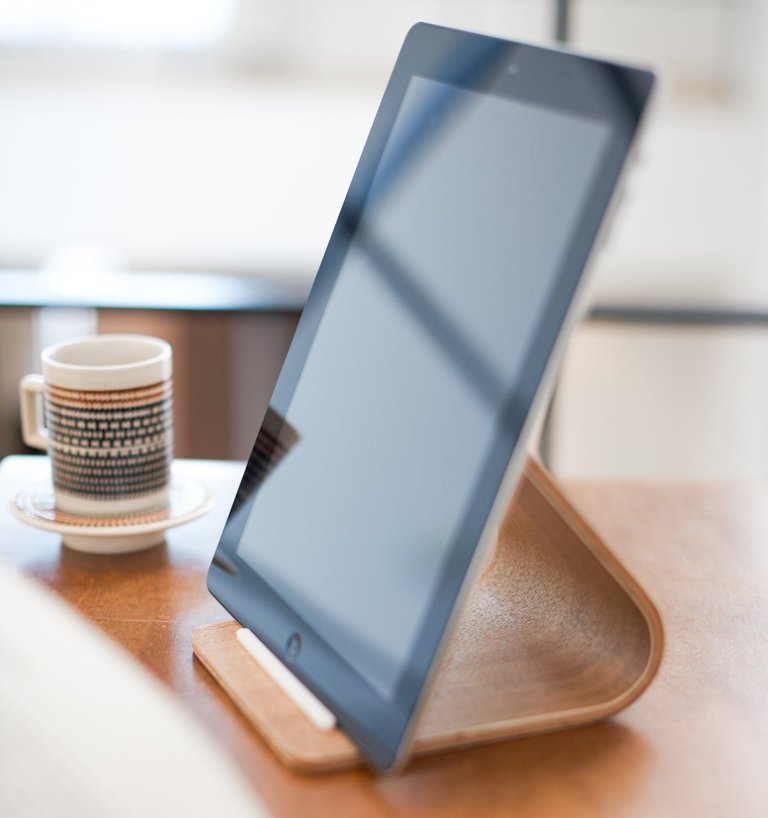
(555, 634)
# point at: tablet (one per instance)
(396, 431)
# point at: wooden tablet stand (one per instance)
(555, 634)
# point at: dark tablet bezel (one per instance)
(543, 77)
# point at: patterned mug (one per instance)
(107, 422)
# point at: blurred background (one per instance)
(176, 168)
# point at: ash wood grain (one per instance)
(555, 634)
(695, 744)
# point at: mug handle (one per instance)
(32, 429)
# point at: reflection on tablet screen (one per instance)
(423, 336)
(399, 417)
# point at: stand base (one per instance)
(555, 634)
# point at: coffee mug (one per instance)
(108, 422)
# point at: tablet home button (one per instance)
(304, 699)
(293, 645)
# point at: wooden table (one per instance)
(696, 743)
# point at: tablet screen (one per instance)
(423, 339)
(423, 343)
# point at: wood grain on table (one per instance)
(695, 743)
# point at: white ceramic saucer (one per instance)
(35, 505)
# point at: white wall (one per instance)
(663, 402)
(239, 161)
(682, 402)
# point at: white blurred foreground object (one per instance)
(86, 732)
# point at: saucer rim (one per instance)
(106, 531)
